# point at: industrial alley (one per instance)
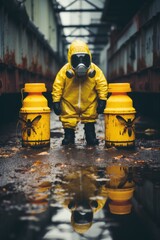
(100, 178)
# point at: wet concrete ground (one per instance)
(62, 192)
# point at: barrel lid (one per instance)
(119, 87)
(35, 87)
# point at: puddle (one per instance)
(82, 202)
(81, 192)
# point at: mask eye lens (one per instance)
(86, 60)
(80, 58)
(74, 61)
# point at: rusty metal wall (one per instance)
(25, 54)
(135, 56)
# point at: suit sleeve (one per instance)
(101, 84)
(58, 85)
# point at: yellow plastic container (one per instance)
(120, 200)
(120, 189)
(119, 117)
(120, 207)
(120, 194)
(35, 117)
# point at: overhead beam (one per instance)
(70, 4)
(59, 8)
(92, 4)
(84, 25)
(78, 10)
(90, 42)
(86, 35)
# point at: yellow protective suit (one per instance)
(78, 97)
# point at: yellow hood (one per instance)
(78, 46)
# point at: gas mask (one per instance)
(80, 63)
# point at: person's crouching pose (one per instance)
(79, 93)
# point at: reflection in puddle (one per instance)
(81, 192)
(120, 189)
(79, 200)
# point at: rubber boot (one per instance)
(68, 136)
(90, 134)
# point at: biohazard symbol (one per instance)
(128, 125)
(127, 178)
(29, 125)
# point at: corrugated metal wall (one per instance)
(28, 49)
(135, 57)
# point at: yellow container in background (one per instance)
(35, 117)
(119, 117)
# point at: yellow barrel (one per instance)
(35, 117)
(120, 189)
(119, 117)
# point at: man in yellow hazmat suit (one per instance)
(79, 93)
